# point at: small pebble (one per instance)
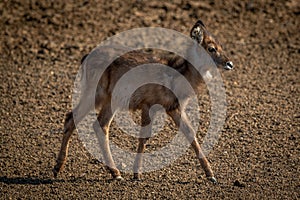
(239, 183)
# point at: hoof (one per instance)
(213, 180)
(137, 179)
(119, 178)
(55, 172)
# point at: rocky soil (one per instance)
(258, 154)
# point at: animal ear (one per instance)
(197, 31)
(199, 22)
(83, 58)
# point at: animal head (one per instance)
(200, 34)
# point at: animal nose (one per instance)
(228, 65)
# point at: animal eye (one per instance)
(212, 49)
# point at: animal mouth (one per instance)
(228, 65)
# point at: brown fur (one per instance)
(143, 99)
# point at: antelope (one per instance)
(143, 100)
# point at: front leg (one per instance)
(182, 123)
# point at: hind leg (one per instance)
(101, 127)
(78, 113)
(68, 130)
(145, 134)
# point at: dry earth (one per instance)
(257, 156)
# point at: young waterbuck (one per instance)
(143, 99)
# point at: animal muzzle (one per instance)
(228, 65)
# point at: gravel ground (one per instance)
(257, 156)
